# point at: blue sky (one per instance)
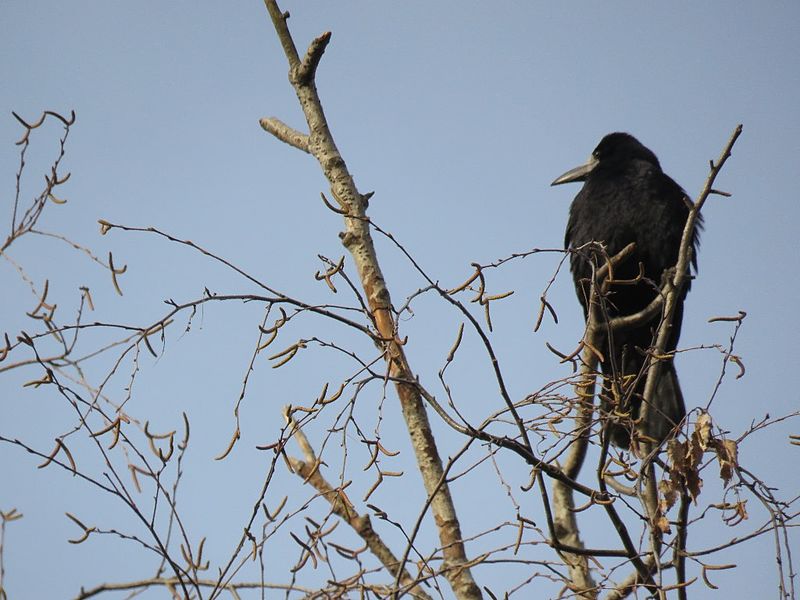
(458, 115)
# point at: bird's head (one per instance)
(614, 151)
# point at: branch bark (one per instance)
(341, 505)
(564, 516)
(671, 292)
(681, 276)
(357, 239)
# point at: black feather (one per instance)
(627, 198)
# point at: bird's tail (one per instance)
(667, 408)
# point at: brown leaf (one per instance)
(669, 489)
(676, 455)
(727, 455)
(703, 429)
(662, 523)
(693, 484)
(684, 459)
(694, 454)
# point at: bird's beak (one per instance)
(578, 173)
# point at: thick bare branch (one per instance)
(341, 505)
(285, 133)
(566, 526)
(357, 239)
(671, 294)
(681, 276)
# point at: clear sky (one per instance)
(458, 115)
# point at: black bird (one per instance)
(626, 197)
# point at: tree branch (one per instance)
(285, 133)
(671, 292)
(681, 276)
(309, 470)
(357, 239)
